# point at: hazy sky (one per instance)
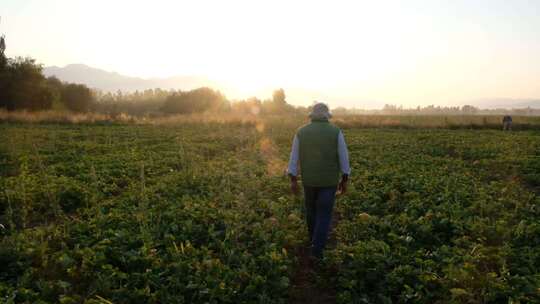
(351, 53)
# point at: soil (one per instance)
(304, 287)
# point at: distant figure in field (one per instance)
(507, 122)
(319, 149)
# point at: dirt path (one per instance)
(304, 287)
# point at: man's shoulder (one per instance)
(312, 126)
(303, 128)
(335, 127)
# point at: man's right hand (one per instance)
(342, 187)
(294, 188)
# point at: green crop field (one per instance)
(201, 213)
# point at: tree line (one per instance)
(24, 87)
(155, 102)
(433, 110)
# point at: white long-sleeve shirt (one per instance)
(343, 156)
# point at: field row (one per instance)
(438, 216)
(200, 213)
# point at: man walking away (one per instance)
(507, 123)
(320, 150)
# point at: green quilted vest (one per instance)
(319, 162)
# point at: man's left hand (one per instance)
(342, 186)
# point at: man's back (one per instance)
(319, 163)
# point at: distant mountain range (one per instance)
(112, 81)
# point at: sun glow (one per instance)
(408, 53)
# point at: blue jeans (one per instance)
(319, 204)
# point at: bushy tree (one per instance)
(278, 104)
(3, 58)
(468, 109)
(4, 79)
(23, 86)
(55, 85)
(147, 102)
(195, 101)
(278, 97)
(249, 106)
(76, 97)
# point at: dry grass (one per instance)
(62, 117)
(228, 118)
(346, 121)
(443, 122)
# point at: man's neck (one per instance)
(319, 120)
